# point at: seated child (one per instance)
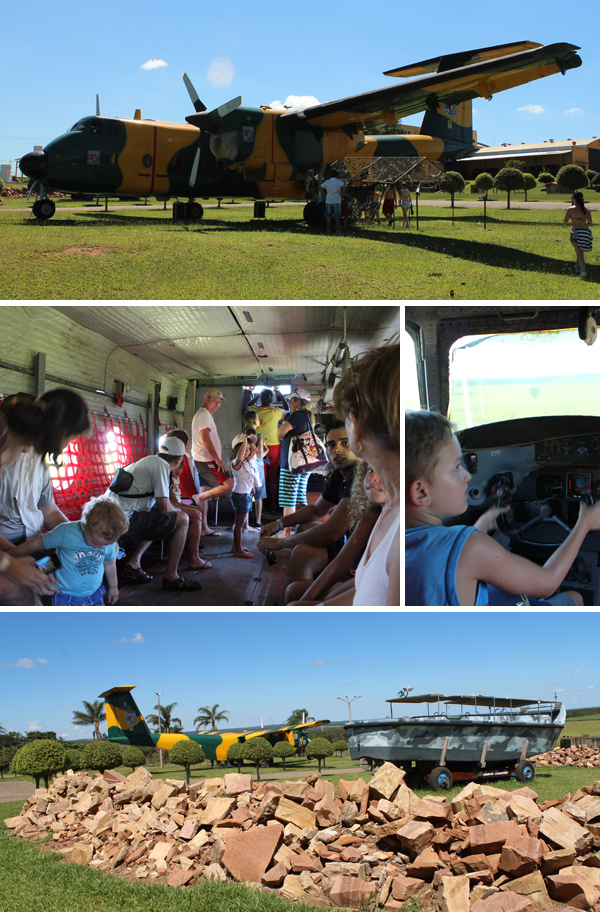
(87, 551)
(251, 426)
(453, 565)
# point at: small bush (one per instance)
(283, 749)
(529, 181)
(546, 178)
(340, 746)
(318, 749)
(133, 757)
(257, 750)
(452, 182)
(186, 753)
(234, 755)
(73, 760)
(509, 179)
(484, 182)
(102, 755)
(40, 759)
(572, 178)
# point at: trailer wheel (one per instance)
(525, 771)
(440, 778)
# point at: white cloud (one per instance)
(153, 64)
(21, 663)
(34, 726)
(136, 638)
(66, 705)
(560, 690)
(574, 111)
(295, 102)
(220, 72)
(575, 671)
(65, 734)
(591, 687)
(319, 662)
(42, 661)
(340, 662)
(533, 109)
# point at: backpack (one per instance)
(122, 481)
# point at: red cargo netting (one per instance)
(88, 464)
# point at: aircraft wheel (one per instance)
(194, 211)
(440, 778)
(525, 771)
(44, 209)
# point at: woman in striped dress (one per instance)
(292, 488)
(581, 235)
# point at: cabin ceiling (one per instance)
(196, 341)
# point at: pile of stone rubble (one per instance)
(581, 756)
(371, 845)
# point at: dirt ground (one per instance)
(16, 791)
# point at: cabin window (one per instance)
(410, 383)
(522, 375)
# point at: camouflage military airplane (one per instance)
(126, 725)
(265, 153)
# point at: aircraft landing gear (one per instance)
(193, 211)
(44, 208)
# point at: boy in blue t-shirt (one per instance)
(453, 565)
(87, 551)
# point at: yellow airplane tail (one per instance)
(125, 722)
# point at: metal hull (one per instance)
(423, 738)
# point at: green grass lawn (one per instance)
(142, 254)
(582, 725)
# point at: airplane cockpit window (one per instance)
(87, 126)
(522, 375)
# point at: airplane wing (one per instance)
(266, 730)
(464, 81)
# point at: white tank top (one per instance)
(372, 579)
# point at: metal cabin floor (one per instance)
(230, 582)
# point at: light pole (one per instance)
(349, 701)
(159, 695)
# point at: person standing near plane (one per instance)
(406, 203)
(269, 415)
(334, 189)
(206, 450)
(389, 203)
(581, 234)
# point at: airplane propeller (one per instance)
(205, 120)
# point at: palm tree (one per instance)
(94, 714)
(168, 723)
(298, 716)
(208, 714)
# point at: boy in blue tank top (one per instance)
(87, 551)
(455, 565)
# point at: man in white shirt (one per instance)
(334, 188)
(206, 450)
(149, 488)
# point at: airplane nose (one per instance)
(34, 165)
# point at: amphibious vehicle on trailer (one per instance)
(489, 740)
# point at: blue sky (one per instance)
(52, 66)
(265, 665)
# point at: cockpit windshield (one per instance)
(87, 126)
(522, 375)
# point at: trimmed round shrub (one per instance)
(102, 755)
(1, 185)
(234, 754)
(73, 759)
(572, 178)
(283, 749)
(318, 749)
(188, 754)
(452, 182)
(340, 746)
(40, 759)
(546, 178)
(133, 757)
(484, 182)
(509, 179)
(529, 182)
(257, 750)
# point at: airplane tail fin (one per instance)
(452, 123)
(125, 722)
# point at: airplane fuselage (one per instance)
(254, 154)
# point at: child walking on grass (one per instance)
(87, 551)
(245, 478)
